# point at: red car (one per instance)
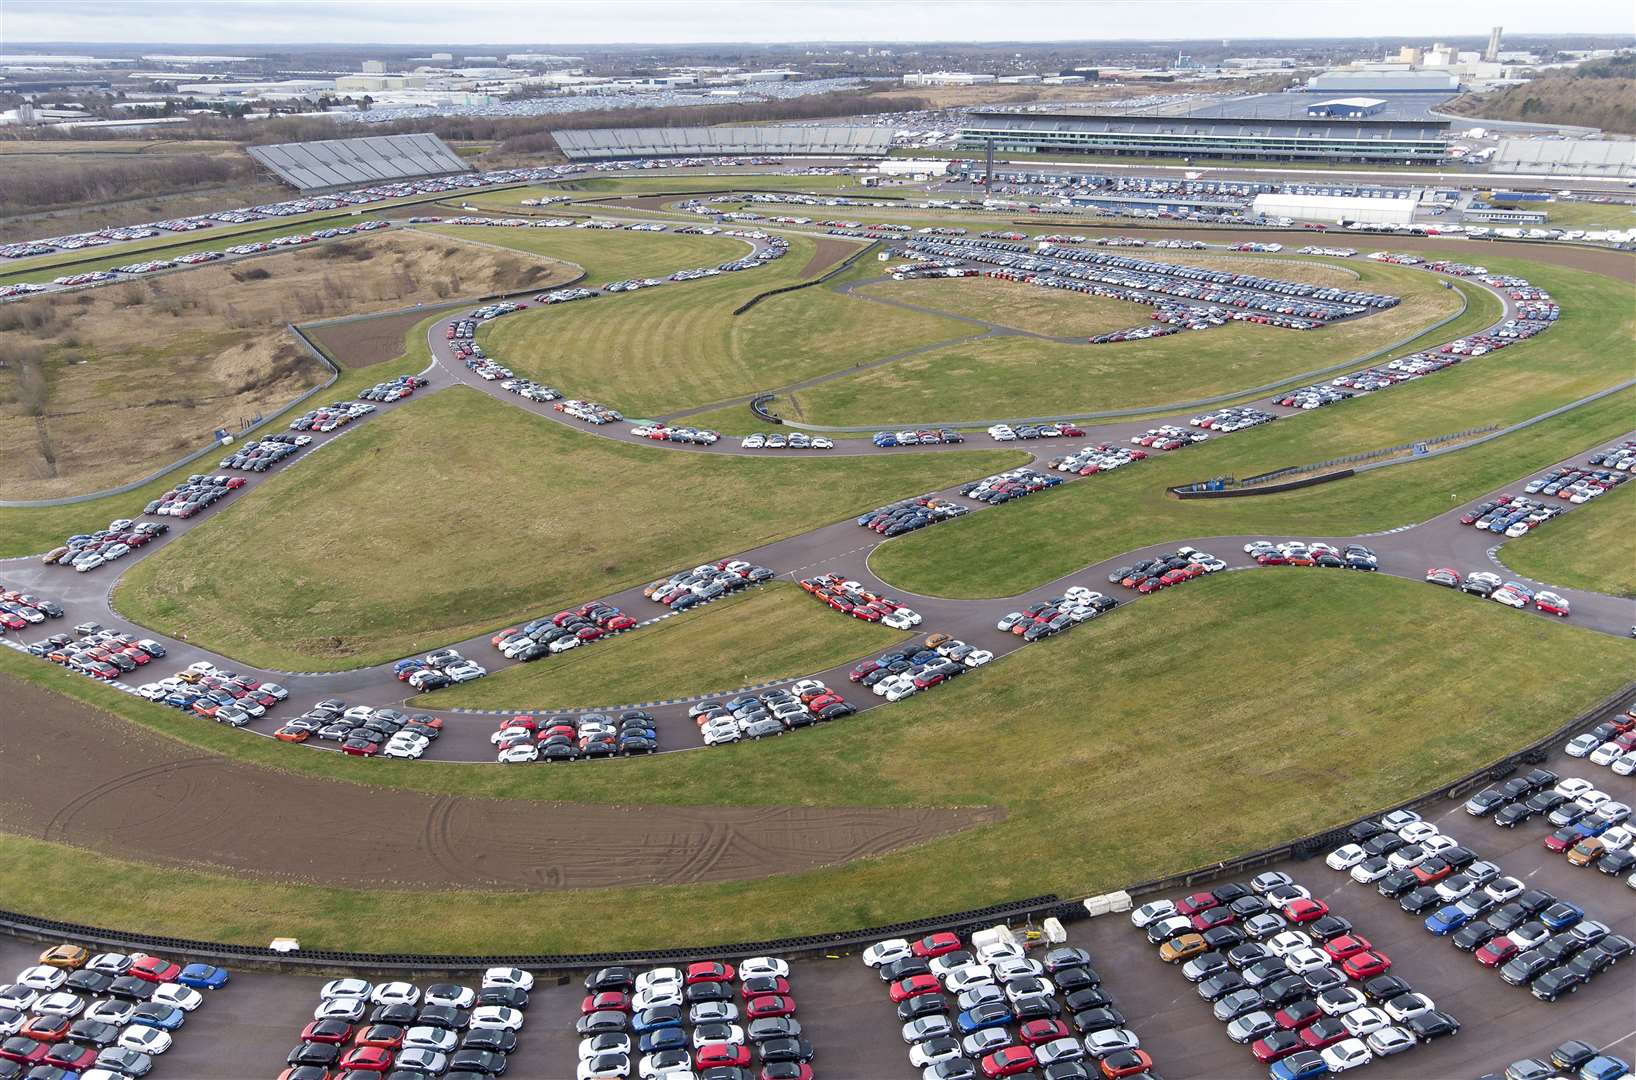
(24, 1051)
(1126, 1063)
(367, 1059)
(789, 1070)
(1305, 910)
(1432, 871)
(71, 1057)
(1008, 1061)
(155, 969)
(385, 1036)
(1347, 945)
(1497, 952)
(717, 1055)
(328, 1031)
(709, 971)
(769, 1005)
(46, 1029)
(1035, 1032)
(914, 984)
(1297, 1015)
(1366, 965)
(606, 1001)
(1213, 917)
(1276, 1047)
(1561, 841)
(935, 945)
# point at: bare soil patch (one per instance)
(82, 777)
(363, 342)
(829, 251)
(100, 387)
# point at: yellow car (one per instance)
(1587, 851)
(1181, 948)
(67, 957)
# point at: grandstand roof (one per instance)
(333, 163)
(609, 143)
(1577, 157)
(1370, 128)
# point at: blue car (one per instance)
(1591, 826)
(156, 1015)
(1303, 1065)
(1604, 1067)
(665, 1038)
(407, 665)
(1447, 919)
(203, 977)
(181, 700)
(660, 1016)
(991, 1014)
(1561, 915)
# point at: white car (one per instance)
(1100, 1044)
(1345, 857)
(508, 977)
(655, 996)
(11, 1022)
(145, 1040)
(1347, 1054)
(1504, 889)
(1289, 942)
(111, 1011)
(963, 978)
(406, 745)
(604, 1067)
(1370, 871)
(1341, 1001)
(1361, 1022)
(1624, 764)
(613, 1043)
(1604, 754)
(508, 733)
(723, 730)
(1416, 832)
(395, 993)
(1510, 598)
(901, 689)
(1404, 1007)
(42, 977)
(426, 1037)
(450, 996)
(60, 1004)
(177, 996)
(664, 976)
(763, 967)
(1148, 913)
(886, 952)
(1581, 745)
(922, 1028)
(516, 755)
(465, 672)
(978, 657)
(497, 1016)
(1302, 961)
(1009, 968)
(1618, 838)
(350, 1009)
(1574, 786)
(345, 988)
(925, 1055)
(153, 691)
(897, 620)
(1388, 1041)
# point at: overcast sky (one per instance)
(528, 22)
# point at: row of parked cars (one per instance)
(397, 1028)
(1574, 1059)
(705, 582)
(393, 389)
(711, 1019)
(75, 1016)
(437, 669)
(1513, 594)
(1605, 744)
(1090, 460)
(850, 597)
(363, 730)
(927, 437)
(1008, 433)
(1012, 484)
(1531, 936)
(980, 1006)
(592, 412)
(531, 390)
(1049, 617)
(564, 630)
(1147, 576)
(523, 739)
(259, 455)
(771, 712)
(94, 650)
(1291, 979)
(1577, 485)
(1317, 553)
(914, 660)
(19, 609)
(1621, 457)
(795, 440)
(87, 551)
(677, 433)
(564, 296)
(907, 515)
(202, 689)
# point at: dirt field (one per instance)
(830, 251)
(366, 341)
(78, 776)
(100, 387)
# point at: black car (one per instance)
(1325, 978)
(1328, 927)
(1080, 1000)
(1556, 982)
(1486, 802)
(912, 1008)
(1525, 968)
(1572, 1054)
(512, 997)
(1070, 979)
(1283, 990)
(786, 1050)
(398, 1015)
(1036, 1007)
(310, 1053)
(498, 1040)
(1397, 883)
(707, 991)
(1618, 863)
(782, 1070)
(1066, 957)
(773, 1027)
(1218, 986)
(91, 1033)
(1514, 814)
(1102, 1019)
(1421, 900)
(131, 988)
(902, 969)
(1066, 1070)
(604, 1022)
(1432, 1025)
(1383, 988)
(88, 982)
(479, 1061)
(1223, 937)
(1473, 936)
(1535, 901)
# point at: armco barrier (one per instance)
(315, 961)
(1309, 846)
(1186, 492)
(758, 405)
(839, 268)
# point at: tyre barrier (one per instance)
(1195, 491)
(314, 961)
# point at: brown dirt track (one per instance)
(78, 776)
(362, 342)
(829, 252)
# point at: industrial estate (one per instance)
(509, 563)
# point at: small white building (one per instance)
(1335, 208)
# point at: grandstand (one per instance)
(339, 163)
(1565, 157)
(1200, 136)
(606, 144)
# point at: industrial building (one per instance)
(1337, 208)
(1501, 215)
(606, 144)
(1379, 140)
(1352, 108)
(1365, 81)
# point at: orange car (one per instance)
(1587, 851)
(67, 957)
(285, 734)
(1181, 948)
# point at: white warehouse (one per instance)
(1337, 208)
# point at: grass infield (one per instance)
(1587, 549)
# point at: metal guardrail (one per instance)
(839, 268)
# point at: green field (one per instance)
(605, 255)
(757, 636)
(1587, 549)
(1015, 376)
(412, 533)
(1586, 215)
(664, 349)
(1076, 738)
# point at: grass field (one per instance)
(465, 534)
(605, 255)
(36, 529)
(1586, 215)
(757, 636)
(671, 348)
(1075, 738)
(1012, 376)
(1587, 549)
(87, 404)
